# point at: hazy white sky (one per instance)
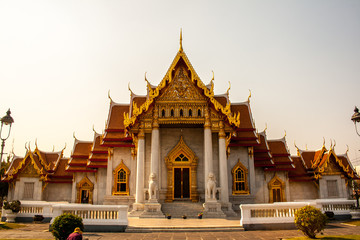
(301, 60)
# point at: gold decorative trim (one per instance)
(181, 148)
(115, 173)
(85, 184)
(276, 184)
(234, 119)
(239, 165)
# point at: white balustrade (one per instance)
(95, 214)
(31, 208)
(284, 212)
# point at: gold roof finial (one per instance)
(285, 133)
(265, 127)
(181, 48)
(109, 96)
(227, 91)
(249, 95)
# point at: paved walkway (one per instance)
(41, 231)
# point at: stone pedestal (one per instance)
(212, 209)
(138, 209)
(228, 210)
(152, 209)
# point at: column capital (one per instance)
(141, 133)
(155, 123)
(222, 130)
(207, 123)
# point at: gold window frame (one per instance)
(240, 166)
(274, 184)
(121, 166)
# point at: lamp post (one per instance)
(356, 118)
(6, 121)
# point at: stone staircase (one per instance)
(177, 209)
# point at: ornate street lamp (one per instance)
(6, 122)
(356, 118)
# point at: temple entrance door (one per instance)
(84, 196)
(181, 183)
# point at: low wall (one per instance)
(31, 208)
(96, 218)
(280, 215)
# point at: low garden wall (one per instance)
(96, 218)
(280, 215)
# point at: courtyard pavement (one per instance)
(41, 231)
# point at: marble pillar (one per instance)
(251, 176)
(109, 173)
(223, 166)
(140, 168)
(208, 157)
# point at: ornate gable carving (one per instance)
(181, 88)
(332, 167)
(29, 171)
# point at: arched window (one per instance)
(163, 113)
(172, 112)
(276, 190)
(240, 183)
(190, 113)
(121, 180)
(199, 113)
(181, 113)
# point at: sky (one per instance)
(299, 58)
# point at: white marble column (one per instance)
(251, 169)
(140, 168)
(109, 173)
(73, 190)
(223, 166)
(155, 141)
(208, 156)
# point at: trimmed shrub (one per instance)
(65, 224)
(310, 221)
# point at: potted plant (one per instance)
(184, 216)
(11, 210)
(200, 215)
(168, 216)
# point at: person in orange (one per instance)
(76, 235)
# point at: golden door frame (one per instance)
(171, 164)
(85, 184)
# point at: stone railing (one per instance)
(280, 215)
(98, 218)
(340, 206)
(270, 216)
(31, 208)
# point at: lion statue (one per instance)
(152, 186)
(211, 187)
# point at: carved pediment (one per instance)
(332, 168)
(29, 171)
(181, 88)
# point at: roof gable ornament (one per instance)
(181, 48)
(181, 58)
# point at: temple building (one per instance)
(180, 143)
